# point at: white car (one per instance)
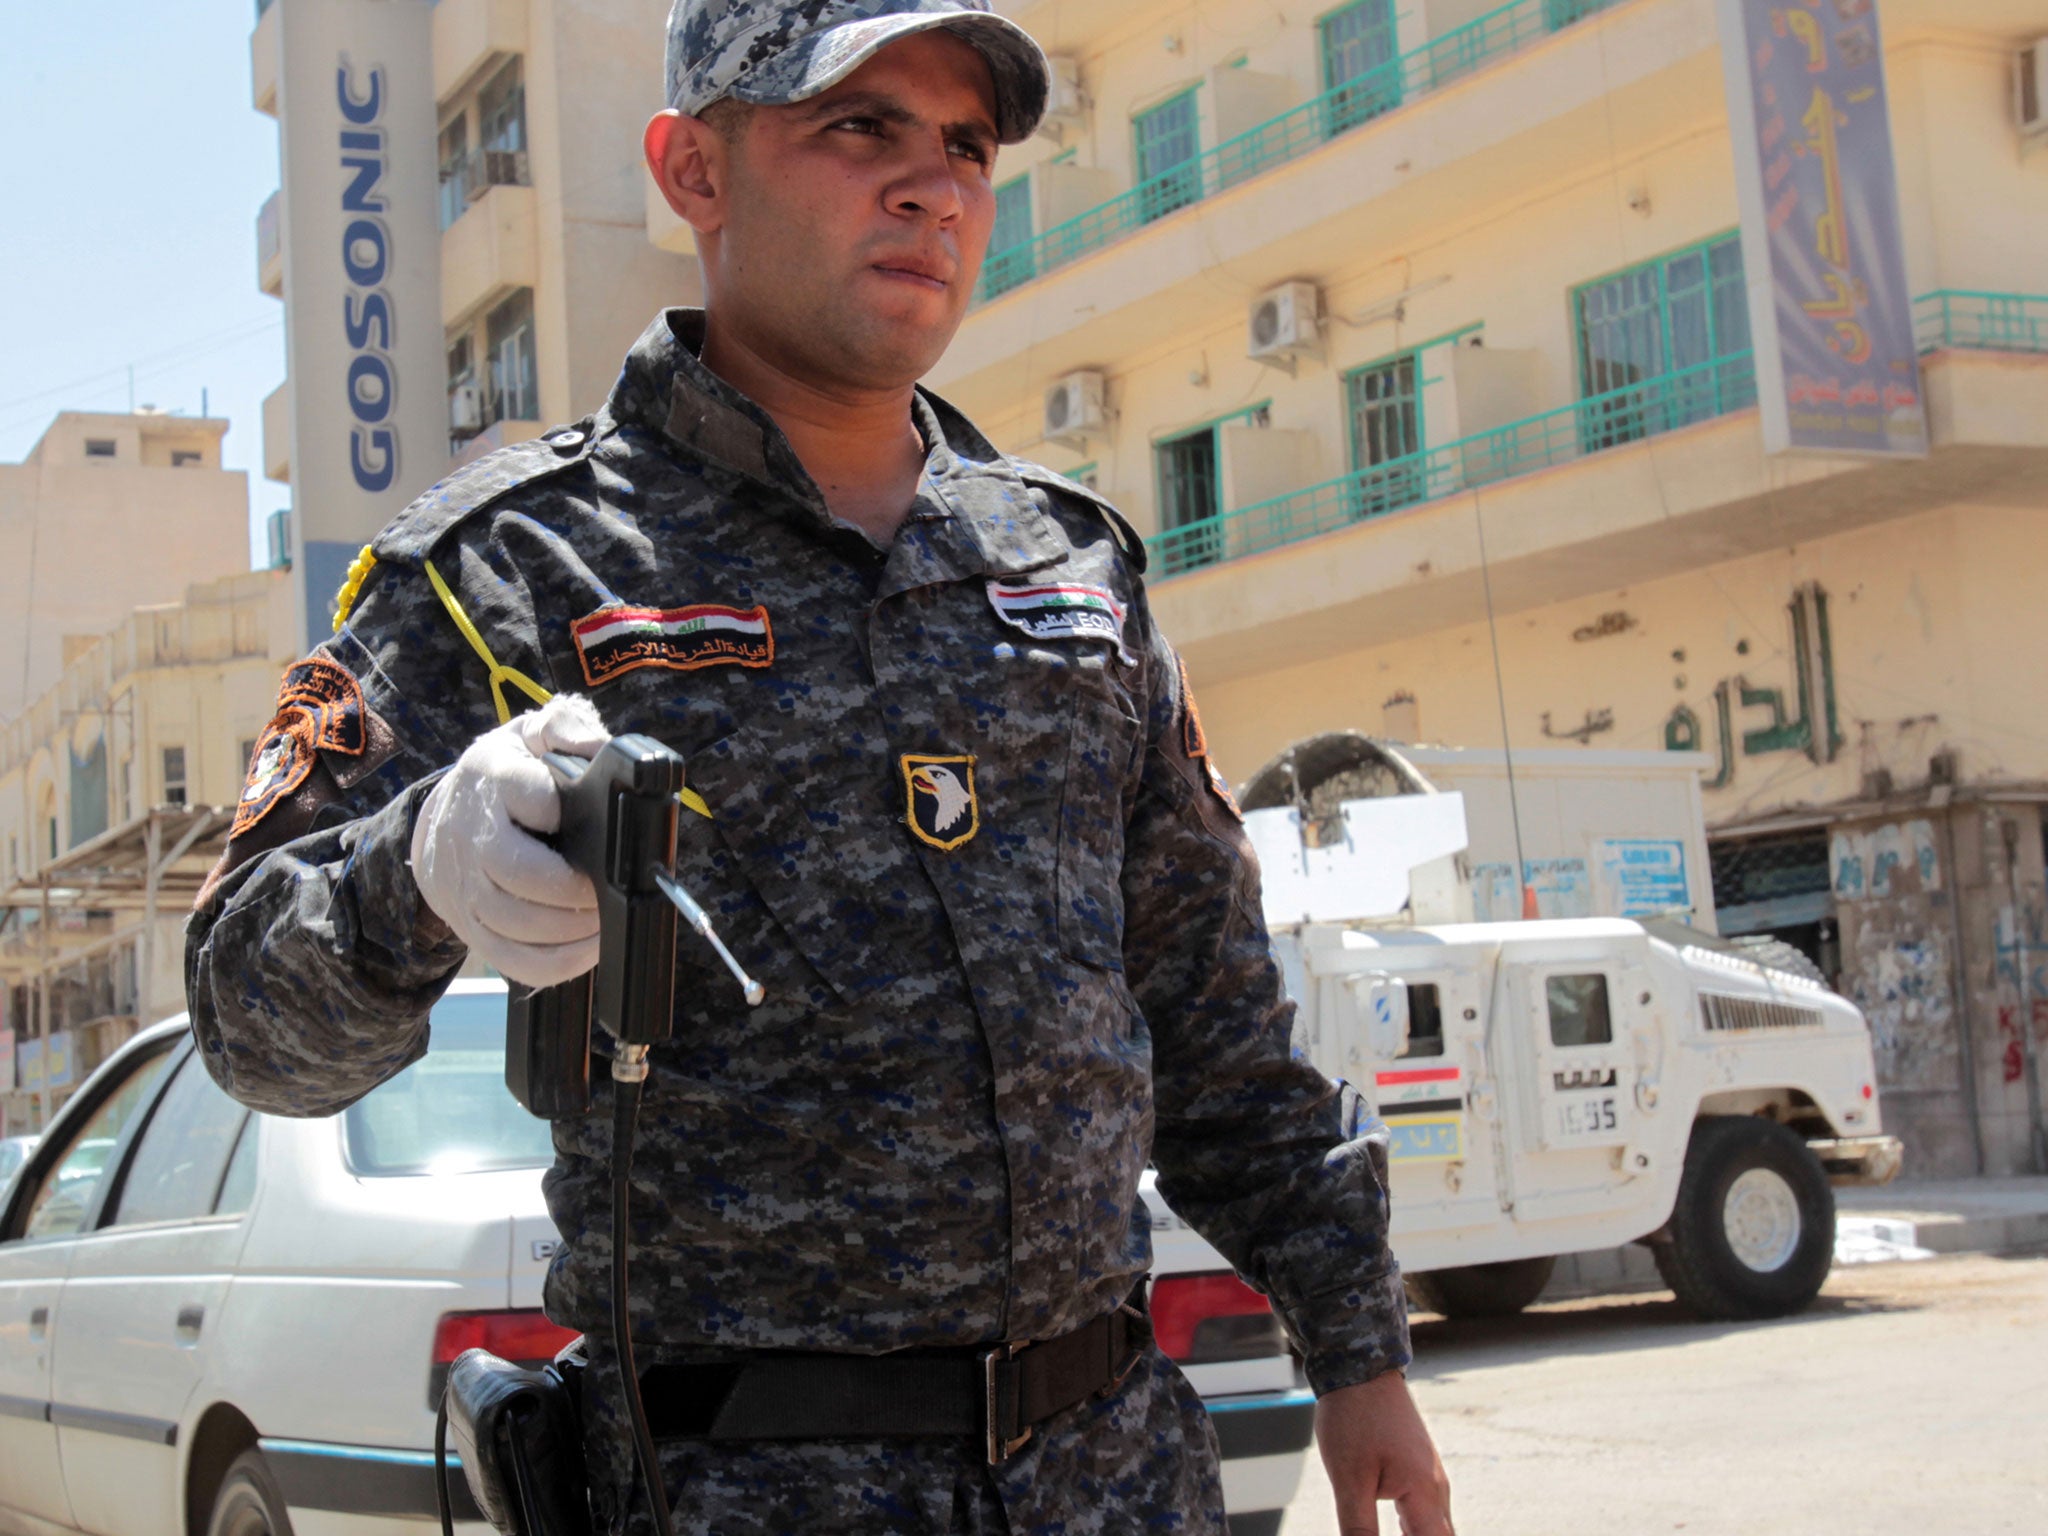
(223, 1324)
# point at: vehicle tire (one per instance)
(1481, 1290)
(248, 1502)
(1753, 1232)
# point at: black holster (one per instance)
(520, 1436)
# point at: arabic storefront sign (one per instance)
(1812, 725)
(1830, 310)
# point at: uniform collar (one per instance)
(974, 514)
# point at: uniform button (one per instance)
(567, 440)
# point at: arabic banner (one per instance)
(1829, 307)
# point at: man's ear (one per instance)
(688, 159)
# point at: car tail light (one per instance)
(524, 1338)
(1205, 1319)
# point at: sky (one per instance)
(132, 170)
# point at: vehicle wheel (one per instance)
(1753, 1233)
(1482, 1290)
(248, 1503)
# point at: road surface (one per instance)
(1911, 1401)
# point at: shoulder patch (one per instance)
(319, 709)
(1127, 537)
(409, 537)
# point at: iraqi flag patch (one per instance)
(1061, 610)
(618, 639)
(319, 709)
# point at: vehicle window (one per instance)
(239, 1185)
(1425, 1020)
(1578, 1010)
(67, 1190)
(177, 1167)
(449, 1112)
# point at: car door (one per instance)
(143, 1289)
(55, 1199)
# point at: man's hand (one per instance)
(513, 900)
(1376, 1446)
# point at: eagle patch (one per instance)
(319, 709)
(939, 799)
(1061, 611)
(618, 639)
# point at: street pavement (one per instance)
(1912, 1400)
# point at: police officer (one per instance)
(949, 798)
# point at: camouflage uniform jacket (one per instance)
(983, 1015)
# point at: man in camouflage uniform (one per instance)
(953, 806)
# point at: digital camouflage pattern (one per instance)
(771, 52)
(931, 1133)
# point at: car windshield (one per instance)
(449, 1112)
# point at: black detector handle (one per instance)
(619, 828)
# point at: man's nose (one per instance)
(927, 184)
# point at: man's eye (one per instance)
(970, 149)
(859, 124)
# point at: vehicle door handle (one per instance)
(189, 1321)
(39, 1322)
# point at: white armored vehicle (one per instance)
(1558, 1086)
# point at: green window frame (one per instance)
(1012, 258)
(1383, 413)
(1361, 64)
(1188, 471)
(1686, 314)
(1167, 145)
(1559, 14)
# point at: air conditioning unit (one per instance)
(1285, 323)
(465, 410)
(1073, 408)
(2030, 89)
(1065, 103)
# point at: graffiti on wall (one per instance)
(2023, 966)
(1875, 862)
(1902, 986)
(1812, 727)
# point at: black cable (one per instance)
(441, 1467)
(625, 1114)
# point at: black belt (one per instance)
(998, 1393)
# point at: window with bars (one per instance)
(1383, 402)
(515, 377)
(1010, 256)
(1188, 492)
(1671, 316)
(1169, 143)
(1359, 50)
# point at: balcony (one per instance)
(1472, 120)
(270, 248)
(1287, 137)
(1618, 489)
(266, 57)
(277, 433)
(471, 35)
(490, 250)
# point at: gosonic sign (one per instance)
(1831, 315)
(362, 290)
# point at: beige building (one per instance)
(545, 276)
(1387, 319)
(108, 512)
(117, 785)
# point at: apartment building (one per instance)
(107, 512)
(117, 785)
(1414, 336)
(459, 241)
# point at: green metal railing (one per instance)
(1287, 137)
(1598, 422)
(1991, 322)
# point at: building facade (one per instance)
(1415, 339)
(117, 785)
(108, 512)
(460, 242)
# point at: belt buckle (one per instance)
(999, 1449)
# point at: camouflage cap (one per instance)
(777, 51)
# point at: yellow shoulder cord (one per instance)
(500, 674)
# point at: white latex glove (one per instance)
(513, 900)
